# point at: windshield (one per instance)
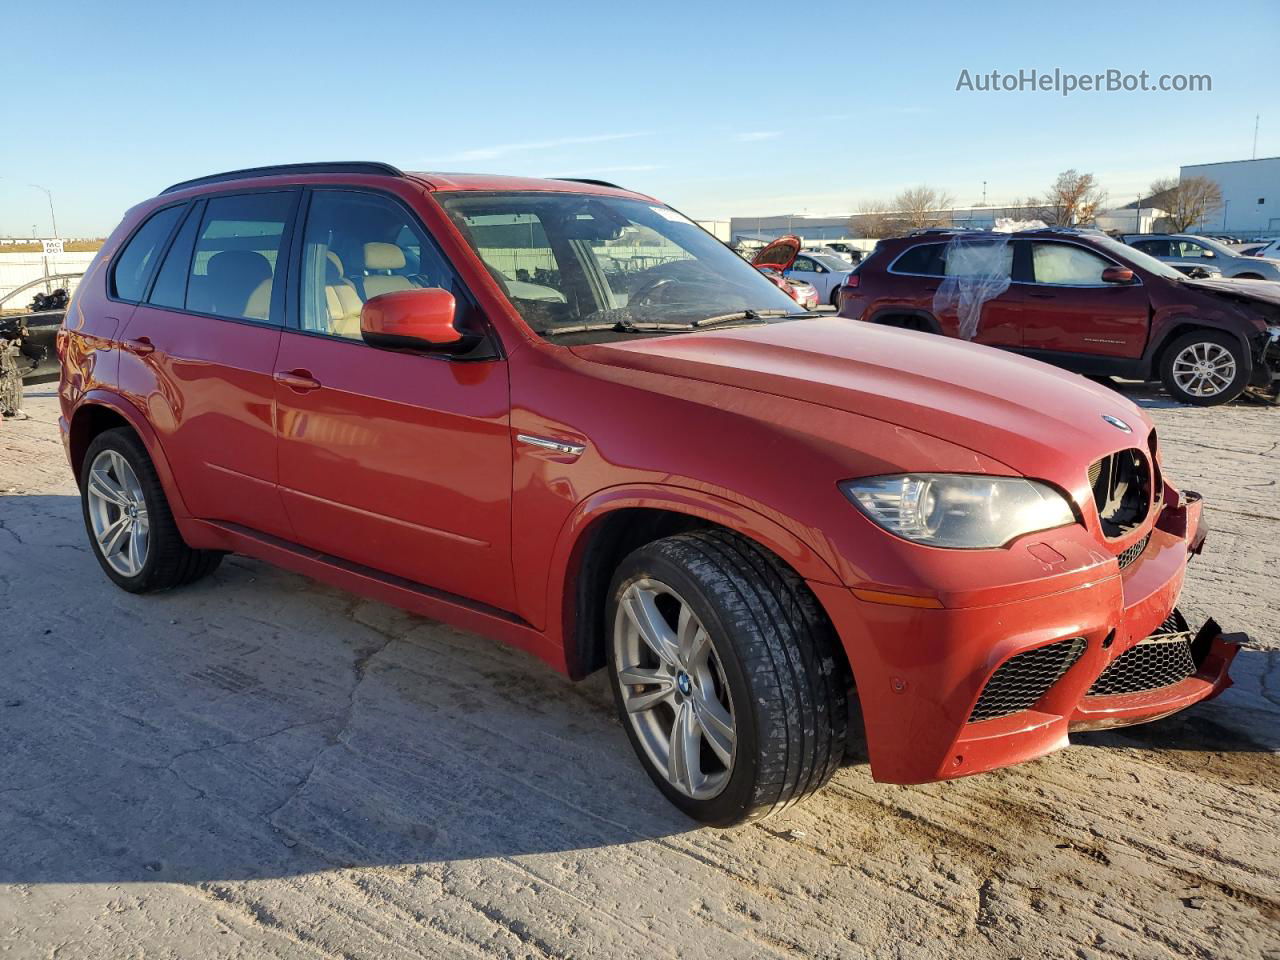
(1136, 257)
(617, 265)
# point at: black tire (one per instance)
(1249, 276)
(782, 662)
(1243, 367)
(170, 562)
(835, 298)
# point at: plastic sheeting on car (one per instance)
(977, 269)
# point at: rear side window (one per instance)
(135, 263)
(925, 259)
(170, 288)
(1156, 248)
(238, 249)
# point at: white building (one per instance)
(1250, 196)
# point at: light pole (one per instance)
(1225, 204)
(52, 216)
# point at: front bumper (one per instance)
(921, 672)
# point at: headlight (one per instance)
(959, 510)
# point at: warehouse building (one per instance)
(1250, 196)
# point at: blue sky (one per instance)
(717, 108)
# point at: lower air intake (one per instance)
(1020, 682)
(1161, 660)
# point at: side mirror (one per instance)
(414, 320)
(1117, 275)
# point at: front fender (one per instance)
(567, 557)
(78, 439)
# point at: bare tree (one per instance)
(1074, 199)
(923, 206)
(872, 220)
(1185, 202)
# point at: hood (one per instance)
(1260, 291)
(780, 254)
(1035, 419)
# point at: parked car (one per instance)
(1186, 248)
(799, 291)
(847, 250)
(667, 472)
(1270, 249)
(1083, 301)
(1247, 249)
(824, 272)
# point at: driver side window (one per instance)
(359, 246)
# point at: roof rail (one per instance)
(594, 183)
(286, 169)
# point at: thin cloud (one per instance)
(755, 136)
(506, 149)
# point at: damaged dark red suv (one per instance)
(1079, 300)
(560, 414)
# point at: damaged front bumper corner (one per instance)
(1212, 651)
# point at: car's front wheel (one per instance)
(727, 676)
(1205, 368)
(131, 528)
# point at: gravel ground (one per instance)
(258, 766)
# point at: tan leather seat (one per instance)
(238, 284)
(342, 300)
(384, 256)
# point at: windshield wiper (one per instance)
(747, 315)
(617, 326)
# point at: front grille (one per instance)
(1022, 680)
(1121, 485)
(1161, 660)
(1133, 553)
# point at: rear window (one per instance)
(925, 259)
(138, 258)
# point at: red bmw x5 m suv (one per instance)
(560, 414)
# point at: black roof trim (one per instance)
(588, 180)
(286, 169)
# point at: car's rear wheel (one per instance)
(131, 528)
(1205, 368)
(727, 676)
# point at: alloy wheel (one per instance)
(1204, 369)
(118, 513)
(674, 689)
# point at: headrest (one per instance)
(245, 266)
(332, 268)
(383, 256)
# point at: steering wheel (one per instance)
(648, 289)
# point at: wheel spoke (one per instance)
(105, 488)
(682, 759)
(716, 724)
(112, 538)
(645, 677)
(134, 553)
(653, 628)
(690, 635)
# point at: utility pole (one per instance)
(52, 216)
(1256, 118)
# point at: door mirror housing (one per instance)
(1117, 275)
(414, 320)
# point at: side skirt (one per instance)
(385, 587)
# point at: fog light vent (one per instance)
(1020, 682)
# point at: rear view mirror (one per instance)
(414, 320)
(1117, 275)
